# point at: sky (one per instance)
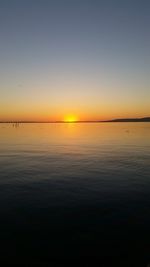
(89, 59)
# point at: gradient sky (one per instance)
(88, 58)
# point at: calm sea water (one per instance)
(75, 192)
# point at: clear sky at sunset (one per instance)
(87, 58)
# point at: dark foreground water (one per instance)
(76, 194)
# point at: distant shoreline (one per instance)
(145, 119)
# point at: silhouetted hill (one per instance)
(145, 119)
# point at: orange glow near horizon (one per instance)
(41, 113)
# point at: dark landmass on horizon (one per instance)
(144, 119)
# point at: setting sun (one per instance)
(70, 118)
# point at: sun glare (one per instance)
(70, 118)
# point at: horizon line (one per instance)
(144, 119)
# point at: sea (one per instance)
(75, 194)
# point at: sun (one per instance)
(70, 118)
